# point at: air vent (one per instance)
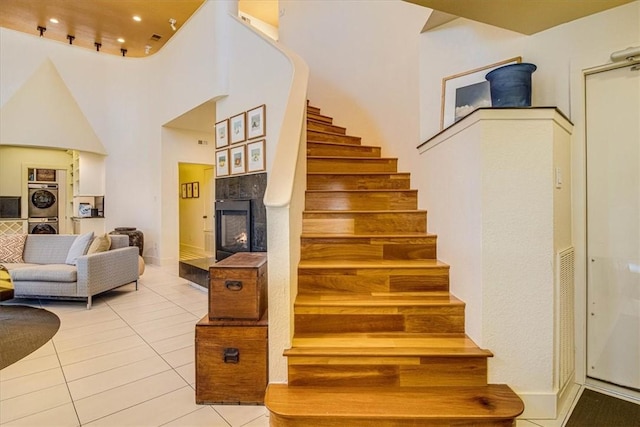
(156, 37)
(565, 316)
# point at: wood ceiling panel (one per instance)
(102, 21)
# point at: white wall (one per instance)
(463, 45)
(363, 61)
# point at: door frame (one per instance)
(580, 67)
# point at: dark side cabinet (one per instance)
(231, 361)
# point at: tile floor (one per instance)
(129, 361)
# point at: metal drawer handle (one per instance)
(231, 355)
(233, 285)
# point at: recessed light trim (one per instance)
(121, 40)
(54, 20)
(137, 18)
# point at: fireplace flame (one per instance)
(241, 238)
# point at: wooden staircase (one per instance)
(378, 339)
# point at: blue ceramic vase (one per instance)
(510, 85)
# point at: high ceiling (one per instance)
(101, 21)
(522, 16)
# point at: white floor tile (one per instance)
(154, 412)
(205, 416)
(239, 415)
(262, 421)
(170, 332)
(100, 349)
(109, 402)
(114, 378)
(29, 366)
(61, 416)
(83, 331)
(175, 343)
(168, 319)
(107, 362)
(180, 357)
(46, 350)
(188, 372)
(29, 383)
(33, 403)
(95, 338)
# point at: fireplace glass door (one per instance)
(233, 231)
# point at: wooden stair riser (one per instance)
(357, 200)
(368, 248)
(436, 321)
(372, 280)
(315, 117)
(409, 371)
(346, 181)
(313, 110)
(351, 164)
(332, 149)
(355, 223)
(324, 127)
(317, 136)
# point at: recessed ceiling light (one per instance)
(120, 40)
(53, 20)
(137, 18)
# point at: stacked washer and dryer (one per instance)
(43, 208)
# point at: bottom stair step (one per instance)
(490, 405)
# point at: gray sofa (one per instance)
(45, 273)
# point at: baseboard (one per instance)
(549, 406)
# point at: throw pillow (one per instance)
(11, 247)
(79, 247)
(100, 244)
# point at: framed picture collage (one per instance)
(240, 143)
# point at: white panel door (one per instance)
(613, 226)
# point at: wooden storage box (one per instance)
(231, 361)
(238, 286)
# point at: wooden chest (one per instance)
(238, 287)
(231, 361)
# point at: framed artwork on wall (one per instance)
(255, 156)
(238, 128)
(183, 191)
(196, 189)
(222, 133)
(256, 122)
(222, 162)
(189, 190)
(237, 160)
(465, 92)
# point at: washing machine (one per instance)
(43, 225)
(43, 201)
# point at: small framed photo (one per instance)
(222, 162)
(238, 128)
(255, 156)
(237, 160)
(465, 92)
(196, 189)
(84, 210)
(222, 133)
(183, 191)
(189, 190)
(256, 122)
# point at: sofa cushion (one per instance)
(100, 244)
(11, 247)
(79, 247)
(48, 273)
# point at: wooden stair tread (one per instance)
(367, 236)
(352, 158)
(339, 144)
(378, 264)
(367, 212)
(367, 190)
(378, 299)
(384, 343)
(357, 173)
(490, 402)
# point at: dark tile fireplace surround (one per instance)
(244, 188)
